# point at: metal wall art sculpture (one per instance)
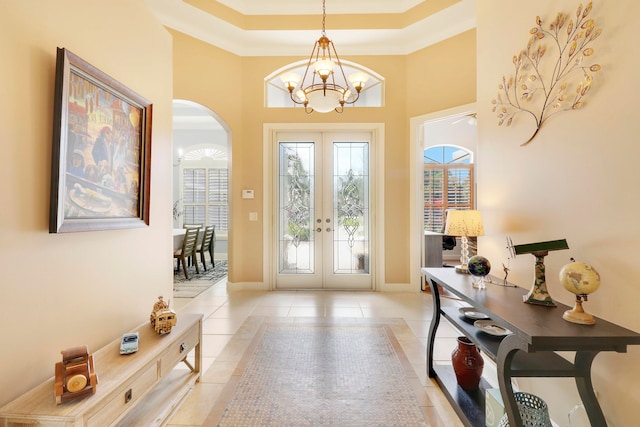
(545, 83)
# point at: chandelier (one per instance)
(324, 86)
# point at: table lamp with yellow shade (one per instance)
(464, 224)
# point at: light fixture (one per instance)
(471, 119)
(463, 224)
(180, 157)
(324, 86)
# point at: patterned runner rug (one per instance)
(322, 375)
(197, 283)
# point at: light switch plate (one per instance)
(247, 194)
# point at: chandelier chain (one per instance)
(326, 93)
(324, 18)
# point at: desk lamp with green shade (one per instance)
(464, 223)
(538, 294)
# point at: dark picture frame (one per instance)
(101, 157)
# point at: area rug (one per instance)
(301, 374)
(197, 283)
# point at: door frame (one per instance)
(270, 130)
(416, 187)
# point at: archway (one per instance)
(201, 170)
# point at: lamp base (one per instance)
(462, 269)
(539, 295)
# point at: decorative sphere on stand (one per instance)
(479, 267)
(581, 279)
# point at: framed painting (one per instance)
(100, 167)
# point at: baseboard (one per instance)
(247, 286)
(398, 287)
(261, 286)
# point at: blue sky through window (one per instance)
(446, 154)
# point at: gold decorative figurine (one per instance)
(162, 318)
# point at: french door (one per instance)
(323, 203)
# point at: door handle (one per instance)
(319, 229)
(329, 229)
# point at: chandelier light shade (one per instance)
(463, 224)
(324, 86)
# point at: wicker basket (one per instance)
(533, 411)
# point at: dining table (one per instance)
(178, 237)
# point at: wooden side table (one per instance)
(538, 332)
(141, 388)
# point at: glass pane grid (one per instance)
(218, 216)
(194, 185)
(194, 214)
(447, 154)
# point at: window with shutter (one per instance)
(448, 183)
(205, 196)
(218, 198)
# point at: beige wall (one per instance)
(442, 76)
(557, 187)
(577, 180)
(64, 290)
(210, 76)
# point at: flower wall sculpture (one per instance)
(546, 82)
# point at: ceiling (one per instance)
(290, 27)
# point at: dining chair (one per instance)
(207, 244)
(188, 250)
(196, 226)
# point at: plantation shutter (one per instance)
(446, 187)
(218, 197)
(194, 195)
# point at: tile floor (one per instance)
(232, 318)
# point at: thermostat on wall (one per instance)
(247, 194)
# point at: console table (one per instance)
(138, 389)
(538, 332)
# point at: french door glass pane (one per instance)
(350, 207)
(296, 206)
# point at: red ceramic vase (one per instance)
(467, 364)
